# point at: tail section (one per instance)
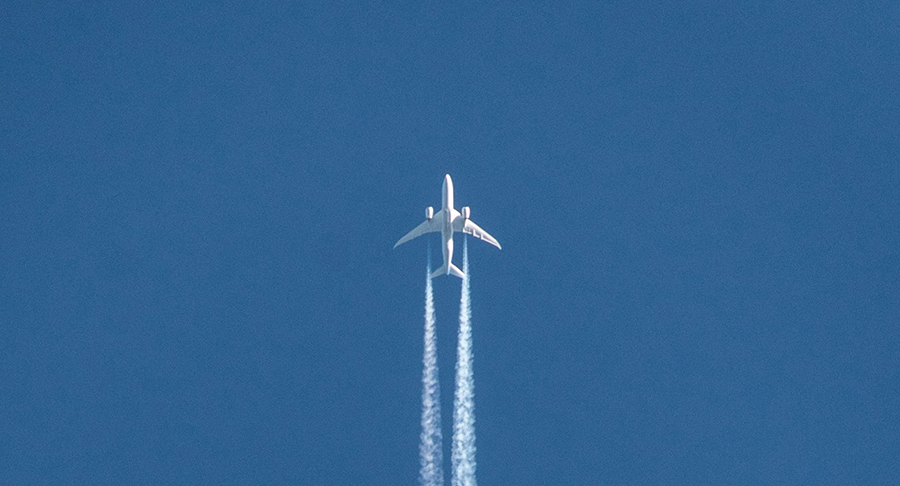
(454, 270)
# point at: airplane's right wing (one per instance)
(428, 226)
(473, 229)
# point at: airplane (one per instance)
(448, 220)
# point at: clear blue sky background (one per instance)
(698, 206)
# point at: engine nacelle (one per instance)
(466, 212)
(429, 212)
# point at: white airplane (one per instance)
(448, 220)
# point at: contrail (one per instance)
(431, 470)
(462, 453)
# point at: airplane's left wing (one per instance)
(427, 226)
(470, 228)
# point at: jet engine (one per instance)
(429, 212)
(466, 212)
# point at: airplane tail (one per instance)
(454, 270)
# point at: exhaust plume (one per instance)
(462, 452)
(431, 457)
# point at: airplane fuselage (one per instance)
(447, 223)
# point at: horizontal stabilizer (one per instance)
(454, 270)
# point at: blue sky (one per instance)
(697, 204)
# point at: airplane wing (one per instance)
(470, 228)
(427, 226)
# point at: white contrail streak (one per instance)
(462, 453)
(431, 470)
